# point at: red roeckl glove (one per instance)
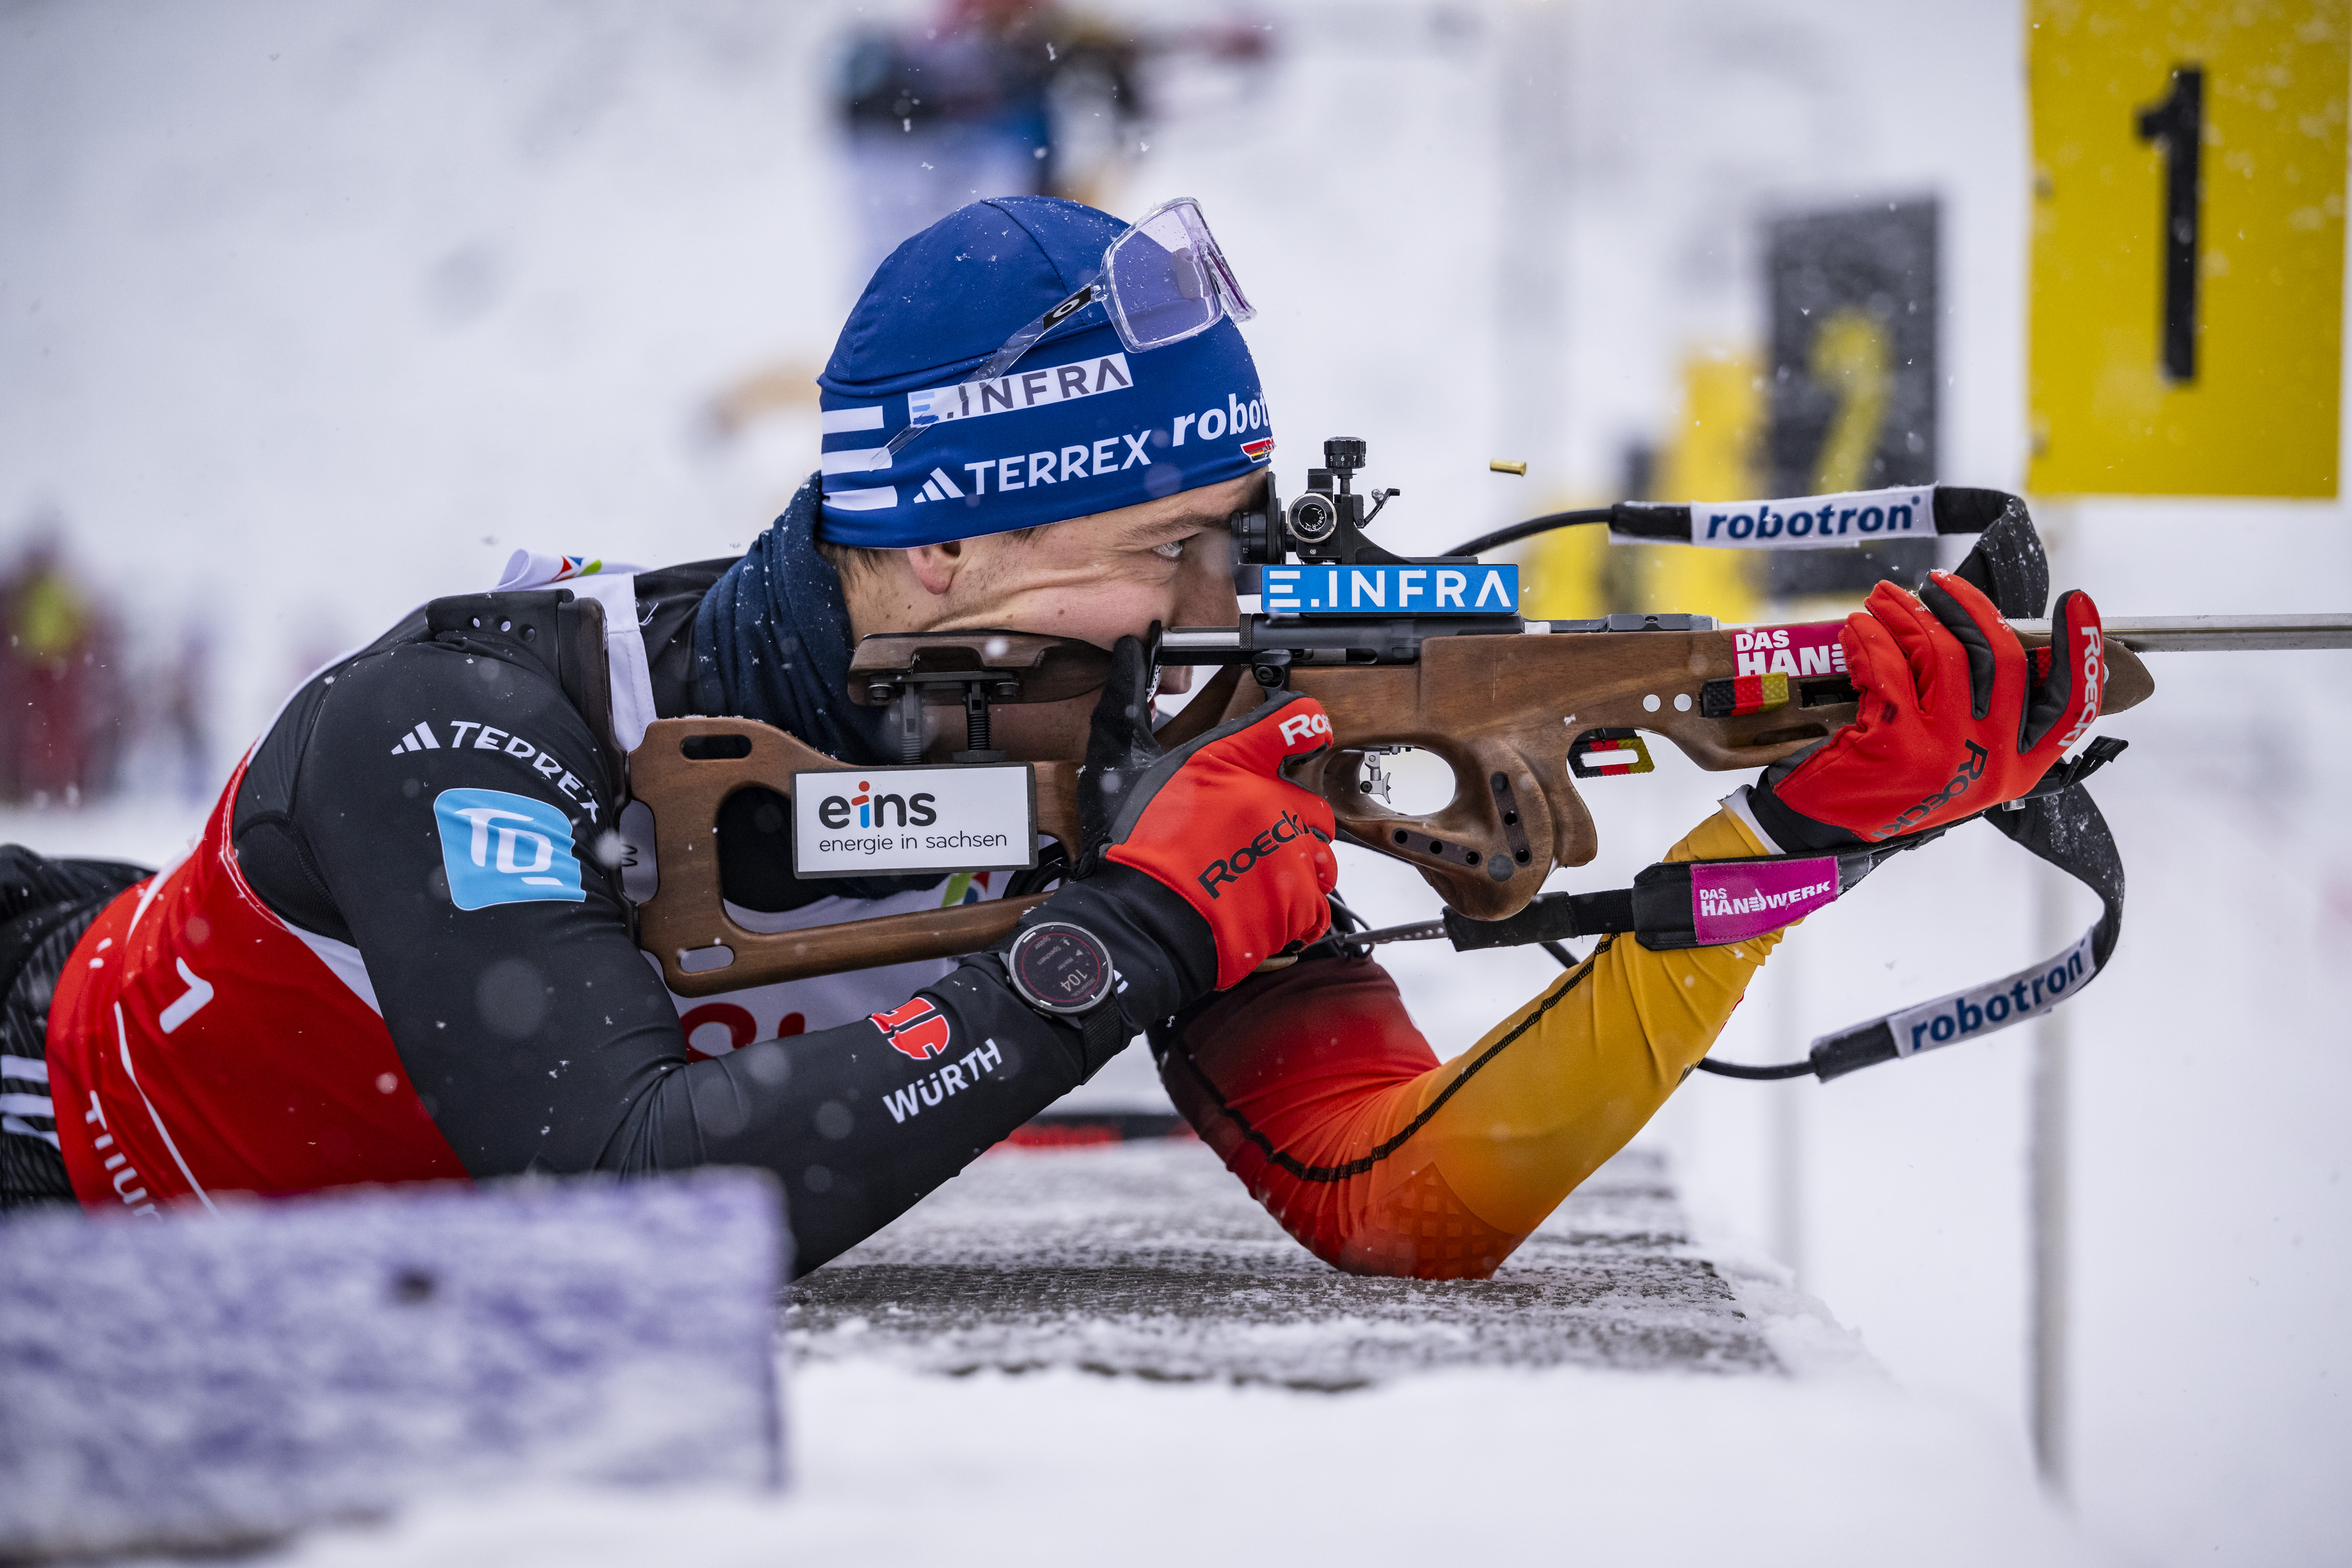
(1955, 718)
(1215, 821)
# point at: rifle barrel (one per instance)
(2140, 633)
(2217, 634)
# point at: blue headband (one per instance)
(1078, 426)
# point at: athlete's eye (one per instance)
(1172, 550)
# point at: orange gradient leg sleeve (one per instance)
(1316, 1088)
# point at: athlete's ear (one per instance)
(936, 566)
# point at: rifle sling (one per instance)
(2057, 820)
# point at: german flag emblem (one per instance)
(1745, 694)
(1609, 754)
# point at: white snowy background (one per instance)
(310, 312)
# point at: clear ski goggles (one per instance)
(1162, 280)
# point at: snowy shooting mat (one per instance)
(205, 1381)
(1149, 1259)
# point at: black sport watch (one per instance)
(1064, 972)
(1059, 968)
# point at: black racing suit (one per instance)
(535, 1033)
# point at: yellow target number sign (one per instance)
(2189, 166)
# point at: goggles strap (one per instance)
(1217, 276)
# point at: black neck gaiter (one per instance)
(772, 642)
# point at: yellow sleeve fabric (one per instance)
(1566, 1080)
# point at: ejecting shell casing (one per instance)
(1504, 465)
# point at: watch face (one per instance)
(1060, 968)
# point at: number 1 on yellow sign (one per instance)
(2187, 268)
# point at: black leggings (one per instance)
(44, 907)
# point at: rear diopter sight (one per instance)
(1312, 517)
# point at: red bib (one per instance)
(198, 1045)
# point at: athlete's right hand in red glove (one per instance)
(1200, 865)
(1955, 718)
(1217, 821)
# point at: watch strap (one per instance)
(1104, 1032)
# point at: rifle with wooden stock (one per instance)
(1429, 653)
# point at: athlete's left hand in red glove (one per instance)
(1955, 718)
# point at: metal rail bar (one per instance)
(2218, 634)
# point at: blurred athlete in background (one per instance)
(61, 694)
(986, 98)
(1002, 98)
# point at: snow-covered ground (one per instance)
(895, 1467)
(1136, 1351)
(310, 312)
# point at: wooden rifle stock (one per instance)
(1503, 712)
(684, 771)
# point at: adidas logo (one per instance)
(938, 488)
(489, 737)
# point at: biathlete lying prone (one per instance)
(403, 948)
